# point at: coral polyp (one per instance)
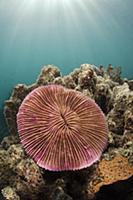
(61, 129)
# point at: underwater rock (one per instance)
(12, 105)
(87, 78)
(59, 81)
(10, 112)
(129, 120)
(114, 73)
(110, 83)
(59, 194)
(5, 171)
(69, 82)
(104, 97)
(31, 179)
(25, 175)
(16, 153)
(9, 140)
(123, 102)
(130, 83)
(10, 193)
(31, 87)
(48, 74)
(111, 171)
(8, 160)
(29, 182)
(100, 71)
(87, 93)
(75, 75)
(121, 190)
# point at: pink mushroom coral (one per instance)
(61, 129)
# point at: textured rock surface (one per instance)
(111, 171)
(10, 193)
(28, 182)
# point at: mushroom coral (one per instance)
(61, 129)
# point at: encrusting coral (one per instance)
(21, 178)
(110, 171)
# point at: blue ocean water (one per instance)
(65, 33)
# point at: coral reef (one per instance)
(130, 83)
(48, 74)
(12, 105)
(104, 97)
(25, 176)
(21, 178)
(114, 73)
(10, 193)
(120, 117)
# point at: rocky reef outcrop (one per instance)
(20, 176)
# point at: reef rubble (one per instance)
(22, 179)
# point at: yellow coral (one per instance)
(111, 171)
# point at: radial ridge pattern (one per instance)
(61, 129)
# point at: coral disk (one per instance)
(61, 129)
